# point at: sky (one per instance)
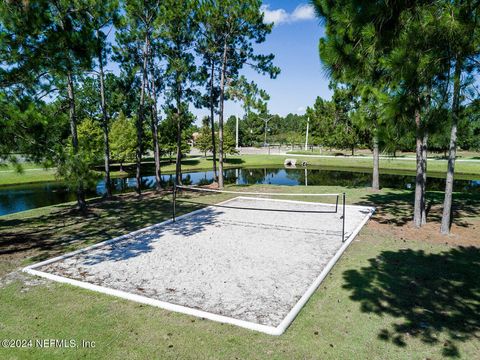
(294, 41)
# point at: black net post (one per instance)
(343, 218)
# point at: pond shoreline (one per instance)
(437, 169)
(21, 197)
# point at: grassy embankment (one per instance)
(391, 295)
(462, 154)
(436, 168)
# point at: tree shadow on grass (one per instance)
(430, 295)
(234, 161)
(190, 162)
(395, 207)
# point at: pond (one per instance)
(29, 196)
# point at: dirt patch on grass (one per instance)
(26, 280)
(466, 234)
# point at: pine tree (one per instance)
(134, 38)
(177, 36)
(235, 27)
(103, 16)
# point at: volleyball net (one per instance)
(315, 204)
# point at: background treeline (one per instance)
(338, 124)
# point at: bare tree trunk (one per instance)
(156, 150)
(424, 184)
(81, 203)
(140, 118)
(154, 127)
(106, 143)
(212, 120)
(424, 161)
(417, 212)
(452, 153)
(220, 119)
(376, 162)
(178, 165)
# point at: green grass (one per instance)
(435, 168)
(10, 177)
(388, 297)
(464, 170)
(462, 154)
(24, 166)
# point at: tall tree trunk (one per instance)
(156, 151)
(376, 161)
(140, 118)
(178, 164)
(452, 152)
(212, 119)
(424, 183)
(220, 119)
(81, 203)
(106, 143)
(424, 160)
(154, 128)
(417, 211)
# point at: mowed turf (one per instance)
(436, 168)
(389, 297)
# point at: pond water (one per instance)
(29, 196)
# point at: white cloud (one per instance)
(303, 12)
(277, 16)
(280, 16)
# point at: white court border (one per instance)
(270, 330)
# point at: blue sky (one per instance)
(294, 41)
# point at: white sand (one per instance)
(246, 264)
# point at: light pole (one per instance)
(236, 133)
(306, 135)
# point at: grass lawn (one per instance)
(11, 177)
(464, 170)
(461, 154)
(395, 294)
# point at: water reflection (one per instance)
(29, 196)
